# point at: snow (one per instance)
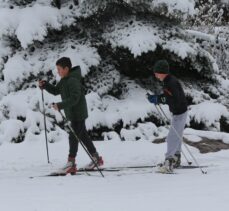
(174, 8)
(201, 35)
(184, 6)
(208, 112)
(10, 129)
(180, 48)
(28, 29)
(137, 37)
(21, 112)
(211, 135)
(128, 190)
(197, 95)
(83, 55)
(111, 136)
(225, 1)
(108, 110)
(180, 6)
(225, 84)
(19, 64)
(30, 100)
(16, 109)
(147, 131)
(4, 51)
(22, 65)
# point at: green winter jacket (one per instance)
(72, 94)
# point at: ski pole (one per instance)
(78, 139)
(203, 172)
(47, 150)
(162, 112)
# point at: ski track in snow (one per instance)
(187, 190)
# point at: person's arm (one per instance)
(52, 89)
(74, 87)
(156, 99)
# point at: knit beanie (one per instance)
(161, 66)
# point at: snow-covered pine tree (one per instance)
(116, 43)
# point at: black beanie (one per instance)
(161, 66)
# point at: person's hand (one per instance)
(55, 107)
(41, 84)
(152, 98)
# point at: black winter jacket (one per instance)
(173, 95)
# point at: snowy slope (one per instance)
(129, 190)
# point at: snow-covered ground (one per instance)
(128, 190)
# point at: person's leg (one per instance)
(81, 132)
(85, 138)
(73, 142)
(70, 166)
(87, 142)
(174, 138)
(180, 129)
(174, 141)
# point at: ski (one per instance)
(160, 172)
(83, 171)
(101, 169)
(180, 167)
(120, 168)
(58, 175)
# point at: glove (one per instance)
(42, 84)
(153, 98)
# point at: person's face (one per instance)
(160, 76)
(62, 71)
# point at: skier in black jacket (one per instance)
(174, 96)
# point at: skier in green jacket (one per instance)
(75, 107)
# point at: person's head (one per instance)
(63, 66)
(161, 69)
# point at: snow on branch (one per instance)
(29, 24)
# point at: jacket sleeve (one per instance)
(74, 87)
(52, 89)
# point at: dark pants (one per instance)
(81, 131)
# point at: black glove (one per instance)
(42, 84)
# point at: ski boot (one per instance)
(97, 160)
(68, 168)
(177, 158)
(167, 166)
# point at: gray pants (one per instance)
(174, 138)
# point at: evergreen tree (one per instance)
(116, 43)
